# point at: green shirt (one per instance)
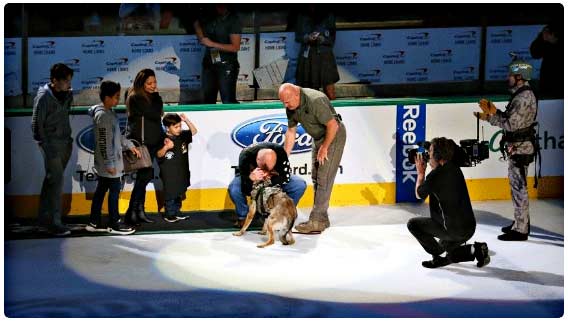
(314, 112)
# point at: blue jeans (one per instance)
(113, 187)
(222, 78)
(294, 189)
(172, 206)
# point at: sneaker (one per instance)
(59, 230)
(312, 227)
(179, 216)
(121, 229)
(95, 228)
(513, 236)
(481, 253)
(171, 218)
(437, 261)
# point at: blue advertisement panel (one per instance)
(402, 56)
(410, 130)
(503, 40)
(175, 59)
(12, 66)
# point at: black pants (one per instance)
(143, 177)
(426, 230)
(104, 184)
(220, 77)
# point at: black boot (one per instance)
(507, 229)
(437, 261)
(141, 215)
(130, 217)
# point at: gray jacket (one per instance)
(50, 118)
(109, 142)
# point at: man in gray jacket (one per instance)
(52, 131)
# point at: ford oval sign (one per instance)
(86, 138)
(270, 129)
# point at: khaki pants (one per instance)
(323, 176)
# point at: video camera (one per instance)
(469, 153)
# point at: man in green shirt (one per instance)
(313, 110)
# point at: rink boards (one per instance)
(367, 176)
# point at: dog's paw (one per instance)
(238, 233)
(260, 246)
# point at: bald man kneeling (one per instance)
(257, 162)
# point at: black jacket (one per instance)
(247, 163)
(450, 205)
(152, 109)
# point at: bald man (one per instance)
(257, 162)
(313, 110)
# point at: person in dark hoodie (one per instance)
(52, 131)
(109, 143)
(144, 108)
(549, 46)
(451, 219)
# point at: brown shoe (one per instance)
(312, 227)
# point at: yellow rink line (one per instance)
(361, 194)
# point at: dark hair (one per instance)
(138, 86)
(108, 88)
(442, 149)
(140, 79)
(171, 119)
(60, 71)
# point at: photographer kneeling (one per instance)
(451, 216)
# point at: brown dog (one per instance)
(281, 213)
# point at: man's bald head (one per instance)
(289, 94)
(266, 159)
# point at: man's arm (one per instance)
(38, 119)
(233, 47)
(420, 190)
(289, 139)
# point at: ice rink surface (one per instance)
(365, 265)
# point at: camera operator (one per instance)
(518, 144)
(451, 216)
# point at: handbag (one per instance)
(131, 161)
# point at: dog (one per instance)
(281, 211)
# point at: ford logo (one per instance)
(270, 129)
(86, 138)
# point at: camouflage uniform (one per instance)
(520, 113)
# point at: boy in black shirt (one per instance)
(174, 163)
(451, 220)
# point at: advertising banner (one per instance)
(503, 40)
(410, 130)
(401, 56)
(374, 168)
(12, 66)
(175, 59)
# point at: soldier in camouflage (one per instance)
(518, 145)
